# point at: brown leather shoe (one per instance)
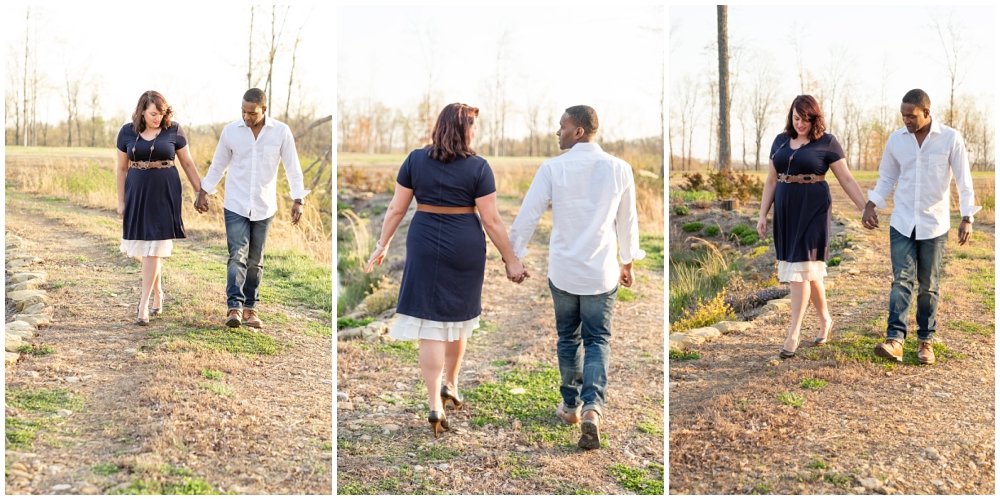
(590, 433)
(891, 349)
(251, 319)
(233, 318)
(925, 353)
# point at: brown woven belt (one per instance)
(801, 179)
(433, 209)
(145, 165)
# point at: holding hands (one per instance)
(201, 201)
(516, 271)
(869, 219)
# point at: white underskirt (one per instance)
(410, 328)
(801, 271)
(140, 248)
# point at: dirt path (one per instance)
(874, 426)
(503, 442)
(181, 406)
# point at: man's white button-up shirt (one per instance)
(921, 176)
(252, 182)
(593, 201)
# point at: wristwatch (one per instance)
(299, 201)
(968, 218)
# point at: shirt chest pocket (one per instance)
(268, 156)
(938, 172)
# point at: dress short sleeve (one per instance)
(486, 183)
(403, 178)
(834, 152)
(776, 145)
(124, 135)
(181, 139)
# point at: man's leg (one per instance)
(928, 270)
(595, 312)
(238, 242)
(255, 261)
(569, 348)
(903, 253)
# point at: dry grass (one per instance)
(86, 176)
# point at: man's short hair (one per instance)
(918, 98)
(584, 117)
(255, 96)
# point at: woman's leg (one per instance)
(453, 353)
(800, 299)
(817, 296)
(157, 287)
(432, 356)
(150, 265)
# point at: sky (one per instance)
(196, 58)
(902, 37)
(601, 56)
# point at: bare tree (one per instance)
(833, 81)
(763, 97)
(71, 101)
(291, 73)
(956, 50)
(688, 93)
(250, 52)
(94, 103)
(274, 46)
(428, 107)
(725, 155)
(24, 81)
(499, 101)
(796, 34)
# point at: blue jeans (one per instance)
(584, 326)
(914, 262)
(245, 239)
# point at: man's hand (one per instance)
(201, 202)
(516, 271)
(869, 219)
(626, 278)
(296, 211)
(964, 232)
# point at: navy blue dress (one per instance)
(445, 253)
(152, 196)
(802, 211)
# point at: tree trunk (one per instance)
(250, 52)
(725, 155)
(24, 84)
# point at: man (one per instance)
(919, 161)
(250, 148)
(593, 200)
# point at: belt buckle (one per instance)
(807, 178)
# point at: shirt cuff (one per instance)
(877, 199)
(970, 211)
(299, 194)
(637, 255)
(210, 188)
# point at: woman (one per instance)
(149, 192)
(800, 158)
(439, 297)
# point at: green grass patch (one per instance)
(212, 374)
(692, 227)
(651, 428)
(172, 470)
(493, 403)
(406, 351)
(647, 481)
(817, 464)
(232, 340)
(678, 355)
(36, 350)
(21, 432)
(693, 196)
(790, 399)
(983, 284)
(486, 326)
(354, 323)
(44, 400)
(761, 488)
(837, 479)
(813, 383)
(189, 486)
(295, 279)
(653, 245)
(972, 328)
(355, 487)
(217, 388)
(104, 469)
(626, 294)
(834, 262)
(681, 210)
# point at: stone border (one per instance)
(849, 255)
(25, 278)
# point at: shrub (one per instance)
(834, 262)
(705, 314)
(681, 210)
(695, 182)
(743, 297)
(744, 234)
(757, 252)
(691, 227)
(712, 230)
(742, 186)
(678, 355)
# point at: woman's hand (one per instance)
(377, 257)
(121, 209)
(762, 227)
(516, 271)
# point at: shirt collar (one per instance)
(586, 146)
(268, 122)
(935, 128)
